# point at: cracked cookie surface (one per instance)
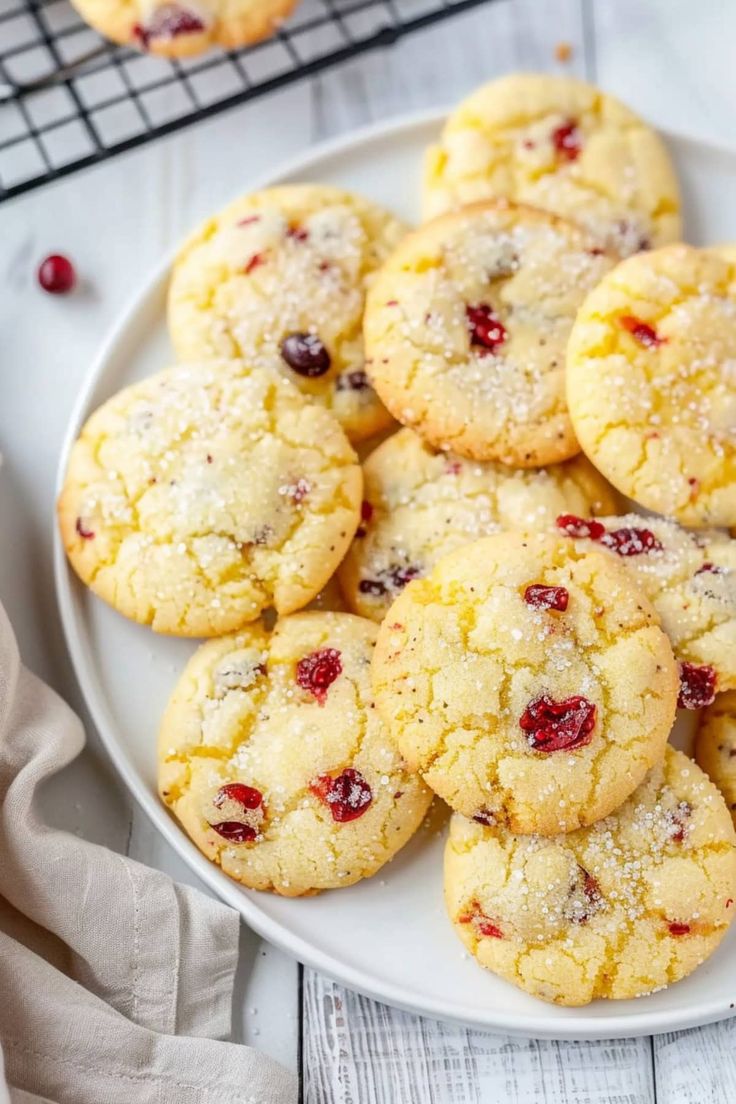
(689, 577)
(466, 326)
(204, 494)
(528, 683)
(651, 381)
(622, 908)
(275, 761)
(183, 28)
(419, 504)
(715, 746)
(562, 145)
(279, 278)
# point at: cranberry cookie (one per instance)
(274, 760)
(466, 326)
(420, 504)
(619, 909)
(202, 495)
(279, 278)
(563, 145)
(527, 682)
(715, 746)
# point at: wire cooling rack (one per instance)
(69, 99)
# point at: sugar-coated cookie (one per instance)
(466, 327)
(183, 28)
(420, 504)
(202, 495)
(279, 278)
(527, 682)
(690, 579)
(619, 909)
(563, 145)
(651, 381)
(273, 757)
(715, 746)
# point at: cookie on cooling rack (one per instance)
(651, 381)
(527, 682)
(202, 495)
(274, 760)
(183, 28)
(279, 278)
(690, 579)
(619, 909)
(560, 144)
(419, 504)
(466, 327)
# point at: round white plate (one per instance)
(387, 937)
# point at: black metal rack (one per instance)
(69, 99)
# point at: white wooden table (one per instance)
(671, 59)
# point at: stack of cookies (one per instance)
(519, 641)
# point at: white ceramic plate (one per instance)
(387, 937)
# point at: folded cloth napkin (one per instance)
(115, 983)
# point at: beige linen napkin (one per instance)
(115, 983)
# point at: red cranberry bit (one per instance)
(677, 821)
(353, 381)
(641, 331)
(366, 510)
(83, 531)
(372, 586)
(254, 262)
(249, 220)
(168, 21)
(56, 274)
(247, 796)
(305, 353)
(676, 928)
(579, 912)
(711, 568)
(317, 672)
(348, 795)
(297, 233)
(631, 542)
(390, 580)
(300, 490)
(482, 923)
(235, 832)
(697, 686)
(486, 330)
(558, 726)
(547, 597)
(580, 527)
(567, 140)
(453, 467)
(484, 816)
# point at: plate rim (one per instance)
(543, 1025)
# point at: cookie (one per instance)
(527, 682)
(619, 909)
(274, 760)
(565, 146)
(202, 495)
(176, 30)
(715, 746)
(420, 504)
(690, 579)
(651, 381)
(466, 327)
(279, 278)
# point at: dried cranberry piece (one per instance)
(366, 510)
(353, 381)
(235, 832)
(247, 796)
(83, 531)
(348, 795)
(547, 597)
(580, 527)
(677, 821)
(390, 580)
(372, 586)
(248, 221)
(697, 686)
(677, 928)
(711, 568)
(317, 671)
(297, 233)
(641, 331)
(580, 911)
(256, 260)
(299, 490)
(631, 542)
(482, 923)
(56, 274)
(484, 816)
(486, 330)
(306, 354)
(558, 726)
(168, 21)
(567, 140)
